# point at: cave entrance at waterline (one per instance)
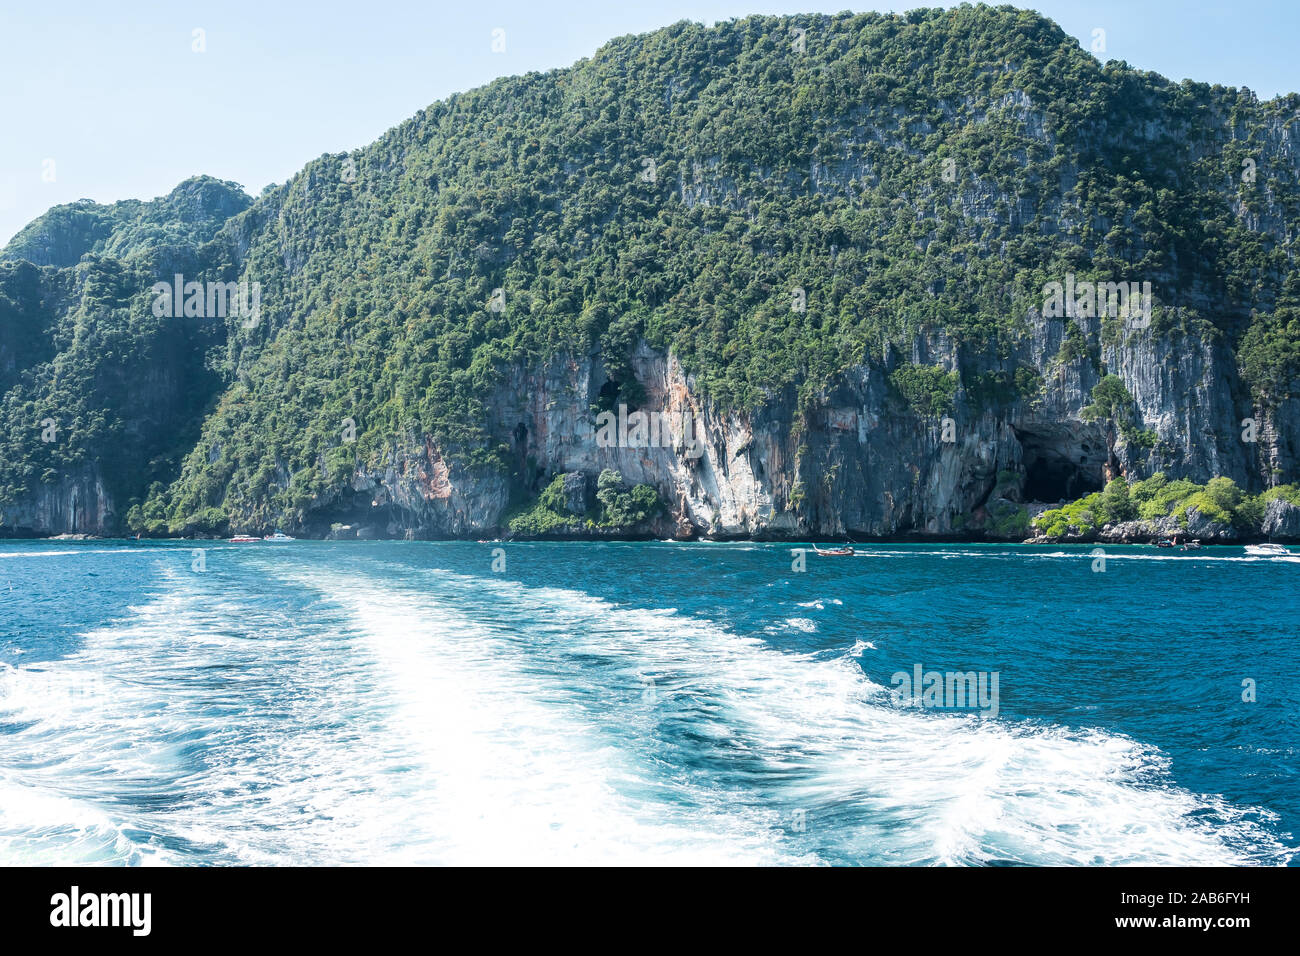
(1061, 467)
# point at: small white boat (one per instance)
(844, 552)
(279, 536)
(1269, 550)
(244, 539)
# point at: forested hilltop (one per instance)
(822, 240)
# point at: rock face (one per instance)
(74, 504)
(575, 492)
(417, 493)
(1282, 520)
(1205, 529)
(858, 462)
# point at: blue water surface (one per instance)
(457, 702)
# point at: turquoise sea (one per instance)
(428, 702)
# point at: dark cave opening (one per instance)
(1057, 480)
(608, 394)
(1059, 470)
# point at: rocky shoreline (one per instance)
(1129, 532)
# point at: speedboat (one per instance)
(279, 536)
(1269, 550)
(244, 539)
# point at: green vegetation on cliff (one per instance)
(927, 389)
(1156, 498)
(90, 377)
(619, 508)
(1111, 401)
(771, 211)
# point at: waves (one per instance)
(514, 766)
(217, 729)
(70, 552)
(810, 738)
(375, 711)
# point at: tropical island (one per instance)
(936, 274)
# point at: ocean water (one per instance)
(407, 702)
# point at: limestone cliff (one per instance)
(832, 256)
(858, 462)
